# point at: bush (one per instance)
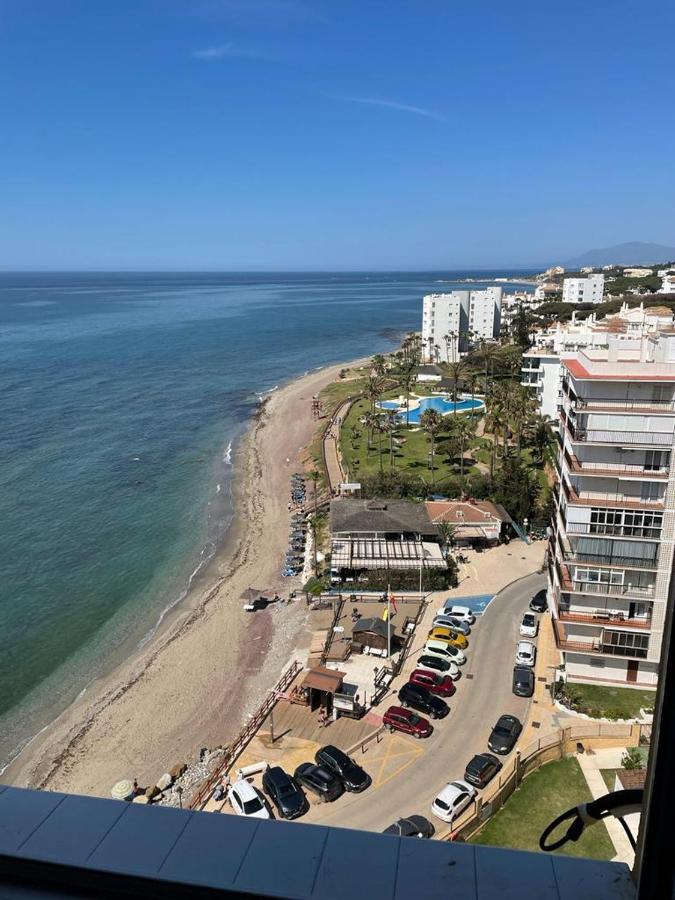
(409, 579)
(632, 759)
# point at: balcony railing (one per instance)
(599, 647)
(623, 562)
(597, 530)
(604, 617)
(567, 585)
(613, 471)
(612, 404)
(610, 499)
(620, 437)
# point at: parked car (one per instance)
(323, 783)
(407, 721)
(423, 701)
(523, 681)
(482, 769)
(504, 735)
(449, 635)
(457, 612)
(441, 685)
(526, 653)
(246, 801)
(412, 826)
(529, 625)
(452, 622)
(447, 651)
(436, 664)
(454, 797)
(539, 603)
(352, 775)
(289, 800)
(442, 651)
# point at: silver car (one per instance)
(452, 622)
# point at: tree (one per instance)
(406, 381)
(520, 328)
(379, 365)
(457, 369)
(314, 477)
(373, 390)
(432, 422)
(541, 437)
(516, 488)
(465, 429)
(446, 532)
(391, 423)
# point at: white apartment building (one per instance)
(546, 291)
(583, 290)
(542, 368)
(611, 545)
(667, 281)
(448, 320)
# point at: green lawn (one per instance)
(619, 703)
(542, 796)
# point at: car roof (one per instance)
(458, 607)
(453, 789)
(277, 775)
(523, 670)
(526, 645)
(399, 710)
(245, 790)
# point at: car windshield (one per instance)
(413, 719)
(253, 806)
(502, 729)
(528, 620)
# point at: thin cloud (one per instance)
(233, 51)
(400, 107)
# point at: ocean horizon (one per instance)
(123, 398)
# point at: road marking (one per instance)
(410, 753)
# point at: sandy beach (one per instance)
(212, 663)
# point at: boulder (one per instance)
(165, 781)
(177, 771)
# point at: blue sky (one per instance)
(352, 134)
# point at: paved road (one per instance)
(407, 774)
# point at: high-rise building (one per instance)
(584, 290)
(611, 542)
(451, 321)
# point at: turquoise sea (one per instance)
(122, 398)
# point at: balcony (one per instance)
(602, 644)
(619, 438)
(607, 404)
(609, 500)
(629, 591)
(604, 617)
(617, 471)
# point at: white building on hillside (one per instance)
(637, 273)
(448, 320)
(583, 290)
(610, 555)
(542, 366)
(667, 281)
(547, 290)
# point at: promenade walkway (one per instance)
(335, 469)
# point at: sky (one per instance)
(350, 134)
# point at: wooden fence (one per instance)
(244, 736)
(561, 743)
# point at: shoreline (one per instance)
(209, 662)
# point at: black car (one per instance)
(352, 776)
(523, 681)
(422, 700)
(504, 734)
(284, 793)
(538, 603)
(412, 826)
(320, 781)
(482, 769)
(435, 663)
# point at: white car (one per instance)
(451, 622)
(438, 664)
(447, 651)
(246, 801)
(463, 613)
(454, 797)
(529, 626)
(526, 653)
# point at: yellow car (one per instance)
(449, 636)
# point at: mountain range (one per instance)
(633, 253)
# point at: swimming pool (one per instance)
(442, 404)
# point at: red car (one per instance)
(407, 721)
(442, 685)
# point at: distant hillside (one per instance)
(634, 253)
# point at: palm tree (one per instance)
(314, 477)
(541, 436)
(370, 421)
(489, 352)
(380, 427)
(432, 422)
(456, 371)
(391, 423)
(446, 532)
(373, 391)
(465, 429)
(379, 365)
(473, 382)
(406, 380)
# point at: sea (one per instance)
(123, 398)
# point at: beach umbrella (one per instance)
(122, 790)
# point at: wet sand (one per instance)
(194, 684)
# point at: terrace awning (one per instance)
(379, 554)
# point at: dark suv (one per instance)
(523, 681)
(423, 701)
(284, 793)
(482, 769)
(352, 776)
(539, 603)
(320, 781)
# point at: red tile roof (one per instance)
(577, 370)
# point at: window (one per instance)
(625, 644)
